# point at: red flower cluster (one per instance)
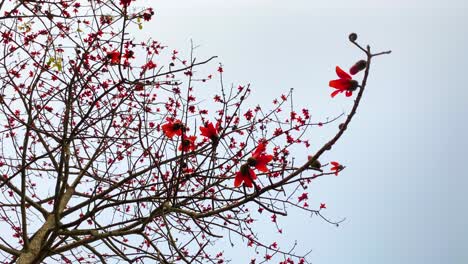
(258, 160)
(176, 128)
(344, 84)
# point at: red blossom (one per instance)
(245, 175)
(139, 87)
(337, 167)
(323, 206)
(188, 144)
(209, 131)
(172, 128)
(303, 197)
(248, 115)
(149, 65)
(259, 160)
(344, 84)
(125, 3)
(114, 57)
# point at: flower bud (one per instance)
(358, 66)
(352, 37)
(315, 165)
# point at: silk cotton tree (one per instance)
(108, 154)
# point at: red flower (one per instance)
(209, 131)
(148, 14)
(125, 3)
(323, 206)
(149, 65)
(172, 128)
(303, 197)
(344, 84)
(259, 160)
(139, 87)
(114, 57)
(245, 175)
(188, 144)
(336, 167)
(129, 54)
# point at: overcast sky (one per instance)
(404, 190)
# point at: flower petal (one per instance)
(335, 93)
(340, 84)
(342, 74)
(262, 161)
(259, 150)
(238, 180)
(252, 175)
(248, 182)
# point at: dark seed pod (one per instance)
(352, 37)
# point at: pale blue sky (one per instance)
(404, 190)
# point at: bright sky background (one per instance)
(404, 192)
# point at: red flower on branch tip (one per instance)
(188, 144)
(245, 175)
(336, 167)
(114, 57)
(323, 206)
(345, 84)
(172, 128)
(259, 160)
(210, 131)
